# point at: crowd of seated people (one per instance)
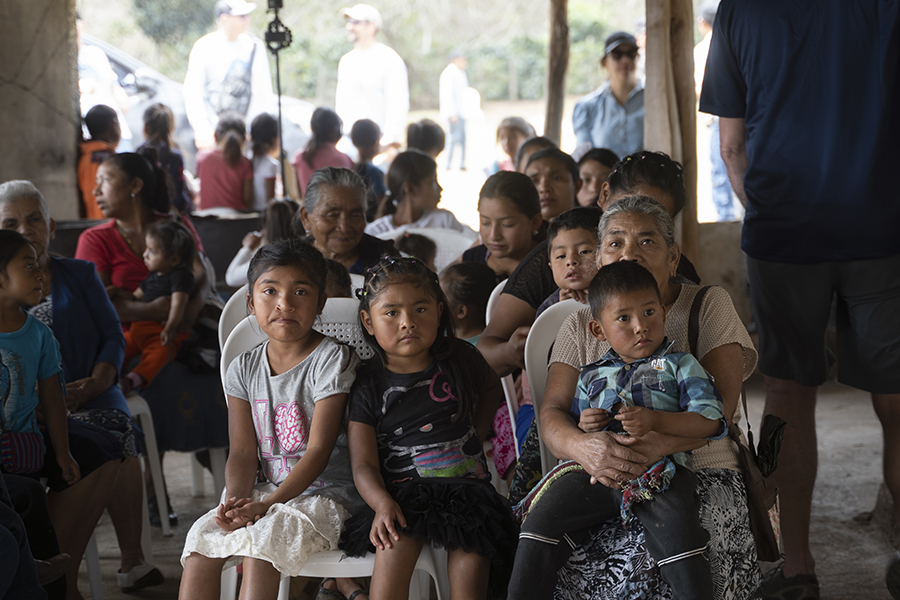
(538, 230)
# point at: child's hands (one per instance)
(593, 419)
(383, 530)
(235, 513)
(69, 467)
(579, 295)
(636, 420)
(166, 336)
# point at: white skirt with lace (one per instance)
(286, 536)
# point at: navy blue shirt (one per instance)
(816, 83)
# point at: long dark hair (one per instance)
(155, 192)
(278, 220)
(263, 133)
(326, 129)
(452, 354)
(231, 131)
(656, 169)
(410, 167)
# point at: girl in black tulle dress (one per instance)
(418, 413)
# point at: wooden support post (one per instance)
(557, 66)
(670, 121)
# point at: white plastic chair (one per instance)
(140, 412)
(537, 351)
(339, 319)
(234, 312)
(509, 386)
(450, 243)
(92, 562)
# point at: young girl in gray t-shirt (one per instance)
(288, 485)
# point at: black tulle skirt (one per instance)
(450, 514)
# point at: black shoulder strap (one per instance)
(694, 319)
(694, 335)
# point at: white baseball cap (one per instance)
(363, 12)
(235, 8)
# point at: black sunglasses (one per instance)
(618, 54)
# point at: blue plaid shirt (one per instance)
(669, 381)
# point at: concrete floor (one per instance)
(851, 550)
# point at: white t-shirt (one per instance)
(437, 219)
(264, 168)
(372, 84)
(453, 85)
(213, 61)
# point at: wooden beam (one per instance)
(558, 64)
(670, 112)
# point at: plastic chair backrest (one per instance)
(537, 350)
(492, 300)
(339, 319)
(509, 386)
(234, 312)
(450, 243)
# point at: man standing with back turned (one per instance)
(809, 106)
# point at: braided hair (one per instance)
(451, 353)
(651, 168)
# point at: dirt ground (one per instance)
(851, 551)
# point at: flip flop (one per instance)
(326, 594)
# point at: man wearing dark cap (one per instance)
(808, 98)
(613, 116)
(227, 71)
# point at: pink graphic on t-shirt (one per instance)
(445, 388)
(290, 426)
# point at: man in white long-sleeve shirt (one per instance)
(453, 86)
(372, 80)
(227, 71)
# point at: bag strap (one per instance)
(694, 319)
(693, 336)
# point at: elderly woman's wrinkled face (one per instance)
(25, 216)
(631, 236)
(337, 222)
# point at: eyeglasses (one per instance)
(618, 54)
(355, 21)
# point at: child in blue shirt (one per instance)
(637, 387)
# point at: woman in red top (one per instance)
(132, 194)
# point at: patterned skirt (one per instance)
(615, 565)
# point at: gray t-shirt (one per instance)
(282, 408)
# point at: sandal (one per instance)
(799, 587)
(325, 594)
(357, 593)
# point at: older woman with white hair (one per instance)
(333, 213)
(76, 307)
